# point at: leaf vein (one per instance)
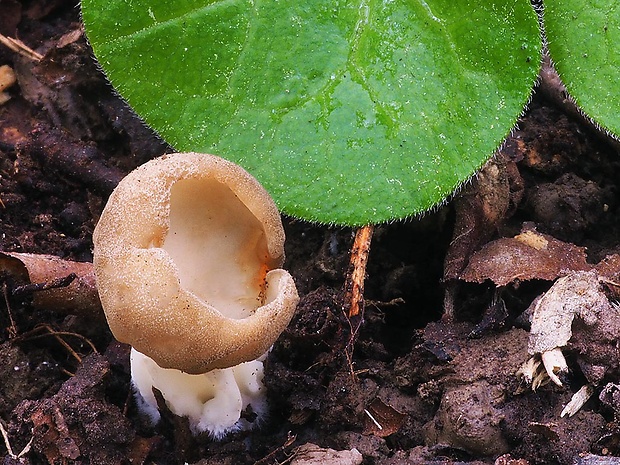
(177, 19)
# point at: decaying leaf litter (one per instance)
(417, 388)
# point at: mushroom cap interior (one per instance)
(221, 253)
(186, 257)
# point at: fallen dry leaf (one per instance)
(577, 295)
(574, 314)
(382, 419)
(529, 255)
(37, 273)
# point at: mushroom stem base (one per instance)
(217, 402)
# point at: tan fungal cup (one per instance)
(187, 256)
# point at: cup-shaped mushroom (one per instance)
(187, 255)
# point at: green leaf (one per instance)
(584, 44)
(348, 112)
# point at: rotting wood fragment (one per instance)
(74, 159)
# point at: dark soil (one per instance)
(443, 390)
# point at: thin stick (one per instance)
(354, 287)
(38, 287)
(353, 304)
(373, 419)
(9, 449)
(19, 47)
(12, 329)
(57, 335)
(7, 443)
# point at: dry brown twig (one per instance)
(353, 302)
(354, 287)
(12, 329)
(19, 47)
